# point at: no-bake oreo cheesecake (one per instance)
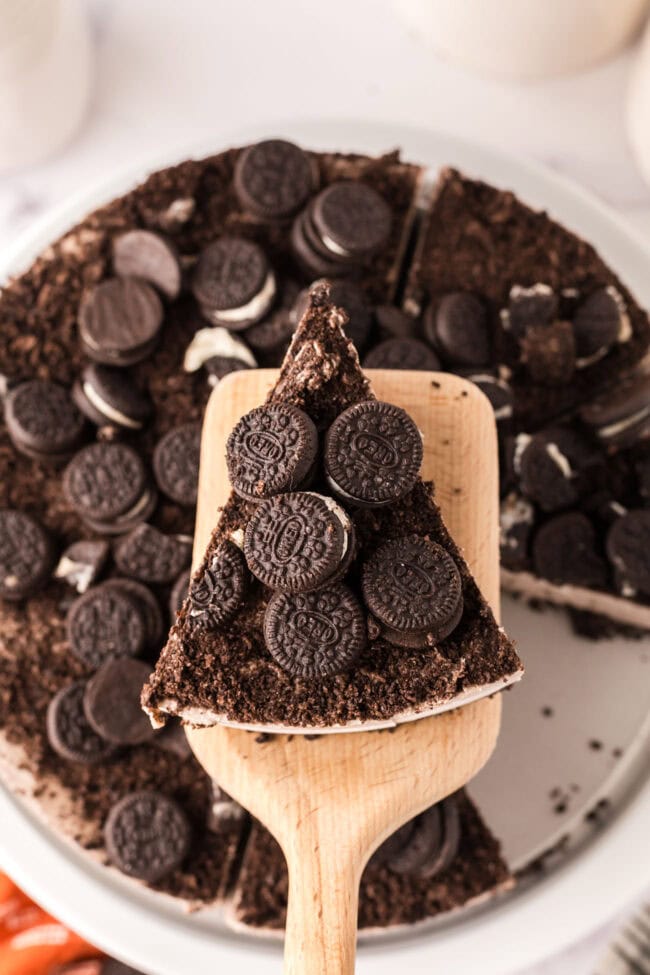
(109, 345)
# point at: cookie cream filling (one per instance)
(107, 410)
(613, 429)
(521, 442)
(334, 247)
(256, 308)
(340, 515)
(559, 459)
(212, 343)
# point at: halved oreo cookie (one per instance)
(111, 702)
(299, 542)
(219, 352)
(274, 179)
(119, 321)
(108, 486)
(26, 555)
(233, 283)
(68, 731)
(217, 592)
(315, 634)
(147, 835)
(82, 563)
(176, 463)
(149, 555)
(111, 396)
(628, 549)
(413, 588)
(42, 421)
(457, 327)
(402, 353)
(272, 449)
(565, 551)
(373, 454)
(151, 257)
(106, 622)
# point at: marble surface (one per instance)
(171, 74)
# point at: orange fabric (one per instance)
(32, 942)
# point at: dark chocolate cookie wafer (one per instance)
(621, 416)
(147, 835)
(310, 252)
(628, 549)
(176, 463)
(217, 592)
(149, 555)
(600, 321)
(413, 588)
(373, 453)
(108, 486)
(179, 593)
(233, 283)
(111, 702)
(316, 634)
(432, 844)
(68, 731)
(119, 321)
(402, 353)
(82, 563)
(274, 179)
(148, 605)
(105, 622)
(443, 855)
(565, 551)
(111, 396)
(42, 421)
(271, 450)
(26, 555)
(298, 542)
(352, 220)
(458, 328)
(143, 254)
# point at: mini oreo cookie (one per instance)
(432, 844)
(111, 702)
(565, 551)
(404, 353)
(273, 179)
(105, 622)
(373, 453)
(42, 421)
(457, 327)
(110, 396)
(233, 283)
(107, 484)
(352, 220)
(413, 588)
(621, 417)
(550, 466)
(628, 549)
(119, 321)
(310, 252)
(498, 391)
(179, 593)
(26, 555)
(68, 731)
(147, 835)
(272, 449)
(529, 306)
(148, 605)
(176, 463)
(315, 634)
(149, 256)
(299, 542)
(217, 591)
(82, 563)
(599, 322)
(147, 554)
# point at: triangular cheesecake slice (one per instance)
(320, 639)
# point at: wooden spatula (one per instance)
(331, 801)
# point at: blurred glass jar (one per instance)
(525, 39)
(45, 77)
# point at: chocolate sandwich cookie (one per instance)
(149, 256)
(457, 327)
(406, 353)
(621, 417)
(147, 603)
(274, 179)
(108, 486)
(120, 321)
(393, 323)
(147, 835)
(219, 352)
(43, 422)
(217, 591)
(599, 322)
(549, 353)
(27, 555)
(233, 283)
(352, 221)
(550, 466)
(373, 454)
(516, 520)
(414, 590)
(176, 463)
(179, 593)
(310, 252)
(315, 634)
(111, 396)
(272, 449)
(628, 549)
(498, 391)
(68, 731)
(565, 551)
(529, 306)
(432, 844)
(299, 542)
(106, 622)
(147, 554)
(82, 563)
(111, 702)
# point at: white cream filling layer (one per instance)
(559, 459)
(110, 412)
(339, 514)
(334, 247)
(612, 429)
(210, 343)
(255, 308)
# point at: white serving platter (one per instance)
(549, 772)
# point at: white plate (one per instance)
(598, 692)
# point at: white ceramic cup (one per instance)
(525, 39)
(45, 77)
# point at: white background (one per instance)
(175, 72)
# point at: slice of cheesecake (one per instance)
(380, 622)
